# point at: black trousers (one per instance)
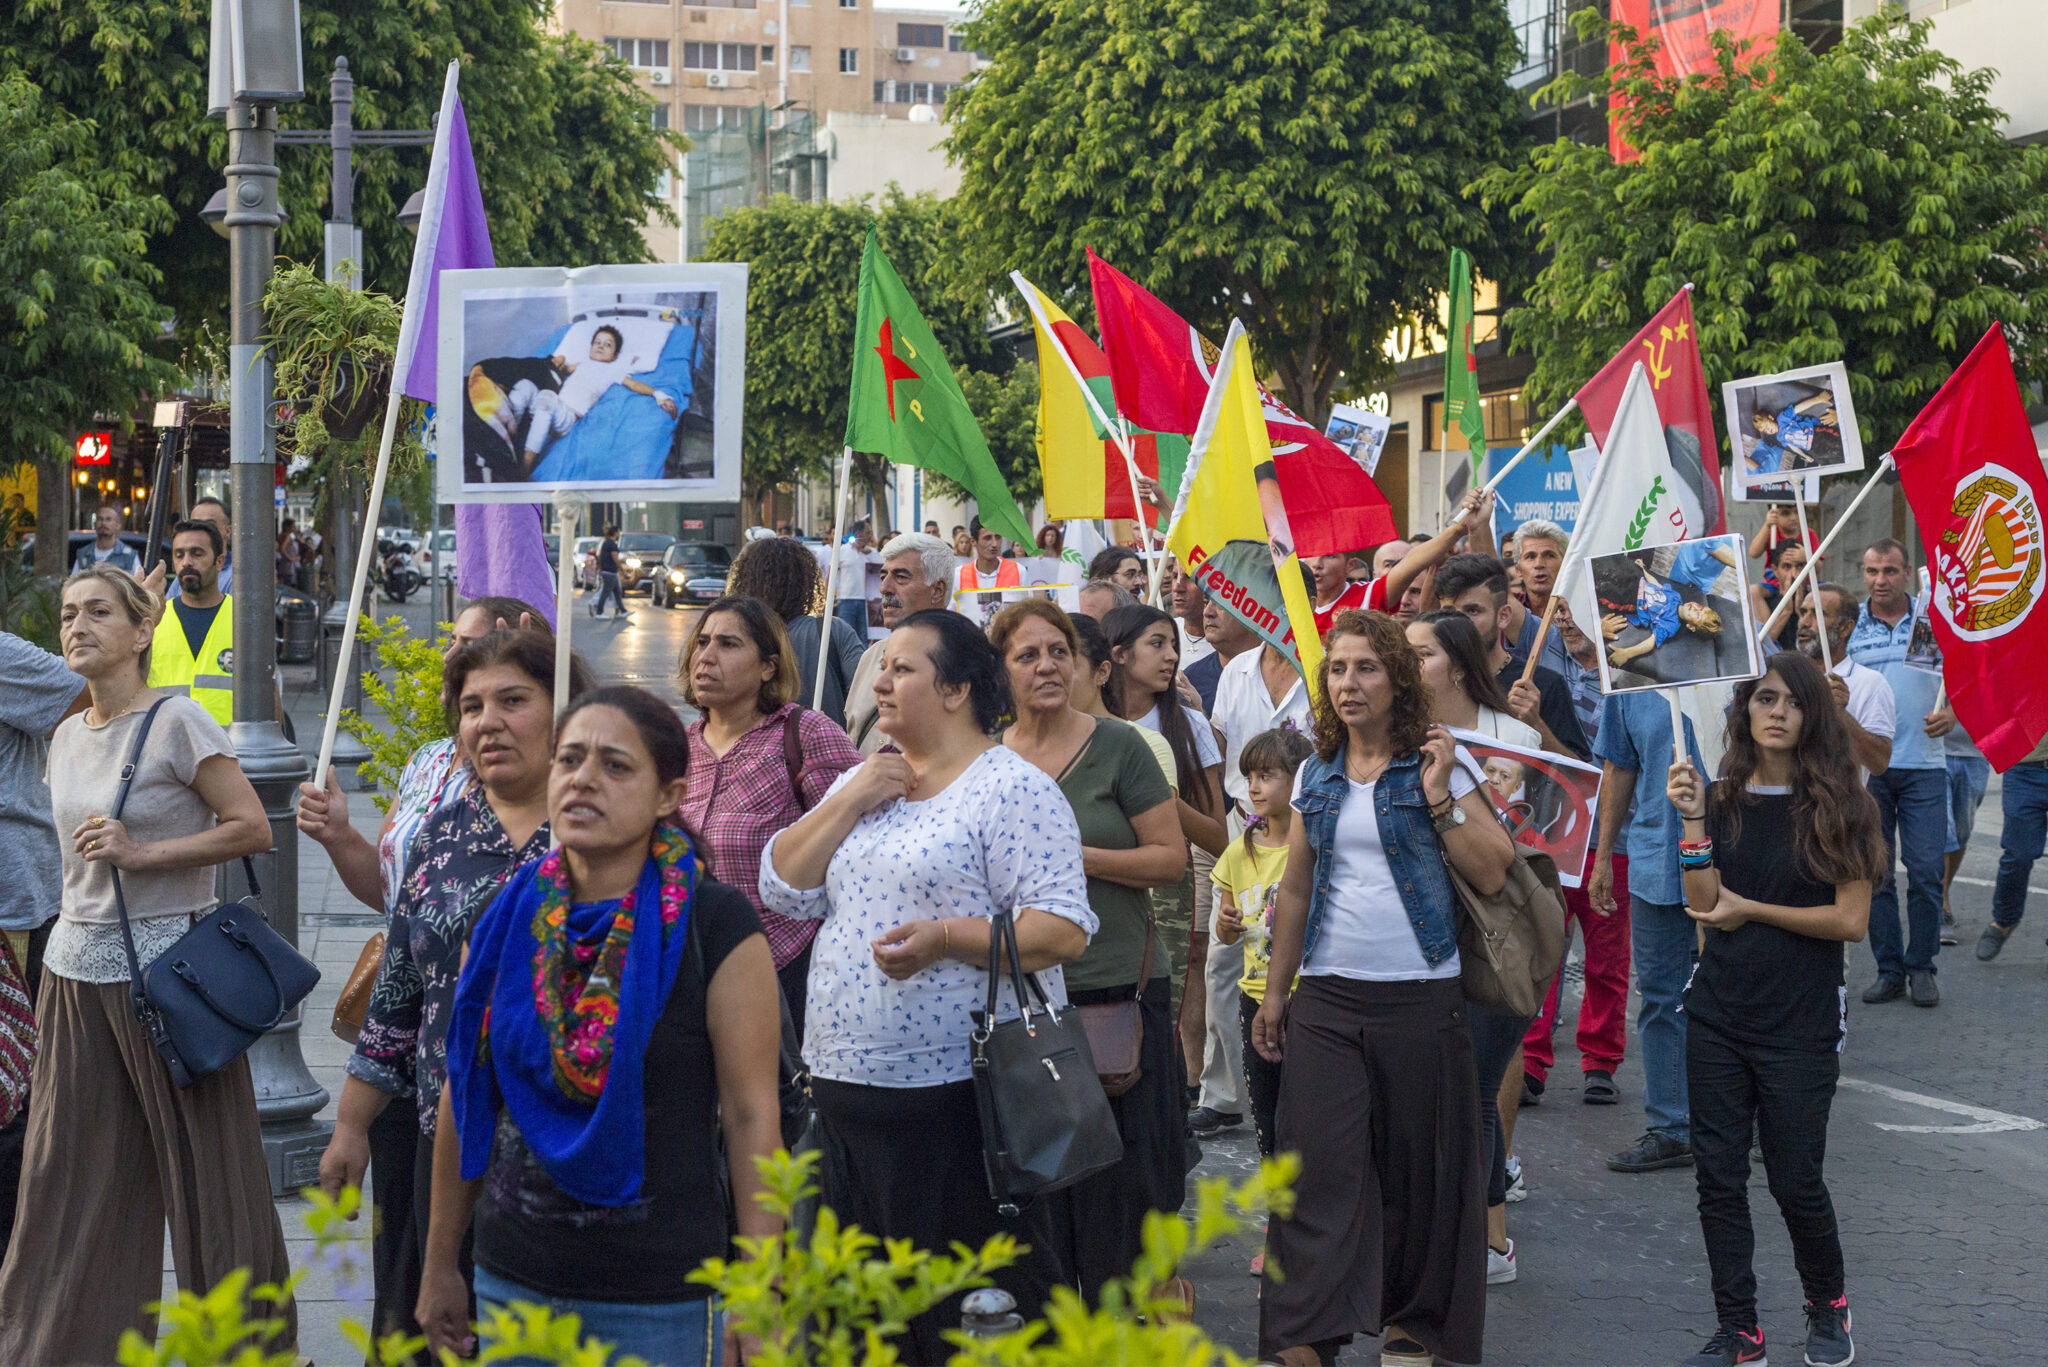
(906, 1163)
(1787, 1094)
(1261, 1079)
(1380, 1098)
(395, 1247)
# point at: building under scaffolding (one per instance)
(742, 155)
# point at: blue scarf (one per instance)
(504, 1050)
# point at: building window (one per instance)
(658, 116)
(639, 52)
(799, 57)
(718, 56)
(665, 188)
(767, 54)
(920, 35)
(849, 59)
(849, 4)
(710, 118)
(1507, 420)
(956, 42)
(932, 93)
(721, 4)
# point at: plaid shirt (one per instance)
(735, 801)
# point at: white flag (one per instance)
(1634, 499)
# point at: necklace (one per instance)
(105, 720)
(1373, 769)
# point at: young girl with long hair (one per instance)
(1779, 856)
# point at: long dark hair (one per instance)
(963, 655)
(1458, 639)
(661, 731)
(530, 651)
(1280, 750)
(1835, 833)
(1409, 719)
(1123, 626)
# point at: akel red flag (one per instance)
(1669, 348)
(1971, 470)
(1160, 369)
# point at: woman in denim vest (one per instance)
(1380, 1096)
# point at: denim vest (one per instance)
(1410, 840)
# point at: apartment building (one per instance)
(752, 83)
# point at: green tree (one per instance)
(1299, 164)
(77, 308)
(803, 272)
(564, 139)
(1858, 205)
(1006, 406)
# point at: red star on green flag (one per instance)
(904, 403)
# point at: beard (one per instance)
(191, 581)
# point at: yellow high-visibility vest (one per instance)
(207, 677)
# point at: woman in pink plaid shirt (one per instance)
(758, 761)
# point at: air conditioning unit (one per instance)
(717, 80)
(661, 75)
(906, 54)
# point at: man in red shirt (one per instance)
(1334, 594)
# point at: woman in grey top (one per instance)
(113, 1146)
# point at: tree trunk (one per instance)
(53, 530)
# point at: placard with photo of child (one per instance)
(1795, 422)
(1676, 614)
(1551, 803)
(980, 606)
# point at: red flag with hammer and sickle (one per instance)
(1669, 348)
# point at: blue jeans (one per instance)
(1664, 944)
(2025, 798)
(1912, 807)
(1968, 777)
(853, 612)
(683, 1334)
(608, 587)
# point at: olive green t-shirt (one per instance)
(1113, 779)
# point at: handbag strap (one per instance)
(120, 897)
(1002, 943)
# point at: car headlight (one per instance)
(675, 576)
(632, 562)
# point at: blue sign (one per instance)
(1540, 487)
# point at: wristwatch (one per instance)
(1449, 821)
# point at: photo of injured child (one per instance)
(1677, 614)
(1801, 421)
(1550, 803)
(607, 385)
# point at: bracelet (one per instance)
(946, 936)
(1695, 854)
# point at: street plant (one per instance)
(410, 702)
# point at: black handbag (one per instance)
(1045, 1122)
(223, 985)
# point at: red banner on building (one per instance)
(1683, 30)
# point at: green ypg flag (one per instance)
(905, 404)
(1461, 367)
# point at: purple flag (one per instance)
(499, 549)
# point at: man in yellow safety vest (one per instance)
(194, 650)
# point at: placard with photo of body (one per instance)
(614, 382)
(980, 606)
(1676, 614)
(1795, 422)
(1548, 802)
(1361, 433)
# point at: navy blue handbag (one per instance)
(226, 983)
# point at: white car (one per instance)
(586, 561)
(443, 544)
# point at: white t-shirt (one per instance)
(1000, 836)
(852, 584)
(1205, 739)
(588, 382)
(1871, 702)
(1245, 709)
(1193, 645)
(1366, 934)
(987, 581)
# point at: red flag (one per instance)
(1669, 348)
(1160, 369)
(1971, 470)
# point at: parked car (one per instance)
(443, 544)
(691, 573)
(586, 561)
(639, 553)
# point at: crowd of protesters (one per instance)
(618, 934)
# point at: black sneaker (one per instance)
(1207, 1123)
(1730, 1347)
(1599, 1088)
(1920, 982)
(1885, 989)
(1827, 1334)
(1948, 926)
(1651, 1152)
(1990, 942)
(1532, 1090)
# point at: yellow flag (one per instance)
(1229, 527)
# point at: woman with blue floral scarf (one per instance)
(616, 1005)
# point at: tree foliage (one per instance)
(78, 314)
(1006, 406)
(1858, 205)
(803, 275)
(564, 140)
(1299, 164)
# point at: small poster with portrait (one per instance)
(1797, 422)
(1360, 433)
(1676, 614)
(1551, 803)
(980, 606)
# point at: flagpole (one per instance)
(832, 577)
(1116, 429)
(1531, 444)
(1841, 521)
(1820, 606)
(567, 506)
(1677, 729)
(409, 323)
(1542, 630)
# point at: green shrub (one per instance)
(411, 702)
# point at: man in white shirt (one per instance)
(915, 572)
(1871, 712)
(851, 585)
